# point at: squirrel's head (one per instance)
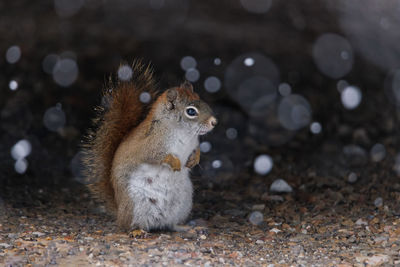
(184, 107)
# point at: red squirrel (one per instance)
(141, 154)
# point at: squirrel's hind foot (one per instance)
(138, 233)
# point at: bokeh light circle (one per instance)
(263, 164)
(231, 133)
(145, 97)
(294, 112)
(21, 149)
(188, 62)
(125, 73)
(205, 147)
(13, 85)
(315, 127)
(333, 55)
(212, 84)
(241, 69)
(54, 119)
(192, 75)
(21, 165)
(65, 72)
(351, 97)
(13, 54)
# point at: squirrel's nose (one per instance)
(212, 121)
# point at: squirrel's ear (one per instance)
(187, 85)
(172, 94)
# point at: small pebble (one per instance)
(280, 186)
(5, 245)
(352, 239)
(374, 260)
(259, 242)
(38, 234)
(12, 235)
(380, 238)
(297, 250)
(256, 218)
(275, 230)
(387, 228)
(258, 207)
(361, 222)
(378, 202)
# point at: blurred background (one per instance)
(307, 93)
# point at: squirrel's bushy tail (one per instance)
(122, 111)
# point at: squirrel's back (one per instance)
(126, 106)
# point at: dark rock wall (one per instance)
(94, 37)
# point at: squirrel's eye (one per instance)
(191, 112)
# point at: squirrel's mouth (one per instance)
(205, 130)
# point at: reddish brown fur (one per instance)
(124, 114)
(184, 90)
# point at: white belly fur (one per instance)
(182, 145)
(163, 198)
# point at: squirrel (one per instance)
(140, 154)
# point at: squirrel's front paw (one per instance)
(173, 162)
(194, 159)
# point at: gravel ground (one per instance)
(325, 221)
(344, 209)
